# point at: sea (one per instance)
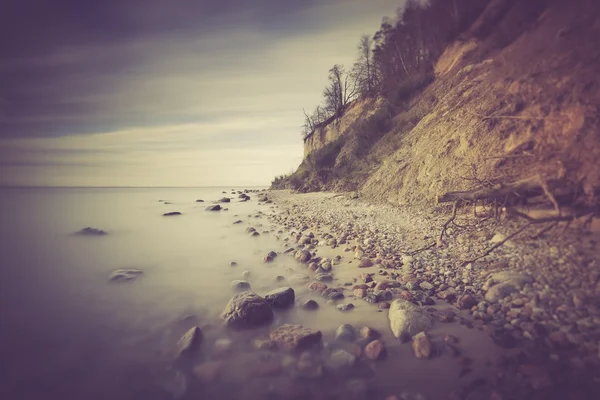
(67, 331)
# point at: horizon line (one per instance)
(127, 187)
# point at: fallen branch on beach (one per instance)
(530, 187)
(499, 244)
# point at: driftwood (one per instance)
(526, 188)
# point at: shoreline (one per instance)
(535, 296)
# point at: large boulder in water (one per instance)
(247, 310)
(281, 298)
(407, 319)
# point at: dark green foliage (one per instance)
(409, 87)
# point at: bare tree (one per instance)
(364, 71)
(341, 91)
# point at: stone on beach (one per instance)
(408, 319)
(247, 310)
(374, 350)
(281, 298)
(295, 337)
(216, 207)
(345, 332)
(171, 214)
(310, 305)
(502, 284)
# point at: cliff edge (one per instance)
(515, 98)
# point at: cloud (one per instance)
(118, 83)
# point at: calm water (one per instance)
(67, 332)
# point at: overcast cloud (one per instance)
(166, 93)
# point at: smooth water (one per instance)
(67, 332)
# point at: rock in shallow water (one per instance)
(281, 298)
(374, 350)
(247, 310)
(89, 231)
(125, 274)
(216, 207)
(240, 285)
(345, 332)
(310, 305)
(171, 214)
(407, 319)
(340, 359)
(295, 337)
(421, 345)
(190, 342)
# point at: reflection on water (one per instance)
(67, 332)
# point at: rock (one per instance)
(384, 305)
(279, 278)
(216, 207)
(250, 229)
(324, 277)
(199, 201)
(365, 263)
(308, 367)
(502, 284)
(303, 256)
(295, 337)
(448, 294)
(335, 295)
(408, 319)
(340, 359)
(374, 350)
(171, 214)
(425, 286)
(89, 231)
(208, 372)
(466, 302)
(254, 233)
(190, 342)
(281, 298)
(239, 284)
(125, 274)
(246, 274)
(345, 332)
(310, 305)
(360, 293)
(345, 307)
(299, 278)
(421, 345)
(239, 221)
(368, 333)
(233, 263)
(247, 310)
(317, 287)
(224, 200)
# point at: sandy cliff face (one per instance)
(517, 96)
(322, 136)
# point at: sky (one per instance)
(166, 93)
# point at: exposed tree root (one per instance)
(451, 219)
(429, 246)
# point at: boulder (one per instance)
(407, 319)
(502, 284)
(247, 310)
(190, 342)
(365, 263)
(216, 207)
(281, 298)
(89, 231)
(224, 200)
(295, 337)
